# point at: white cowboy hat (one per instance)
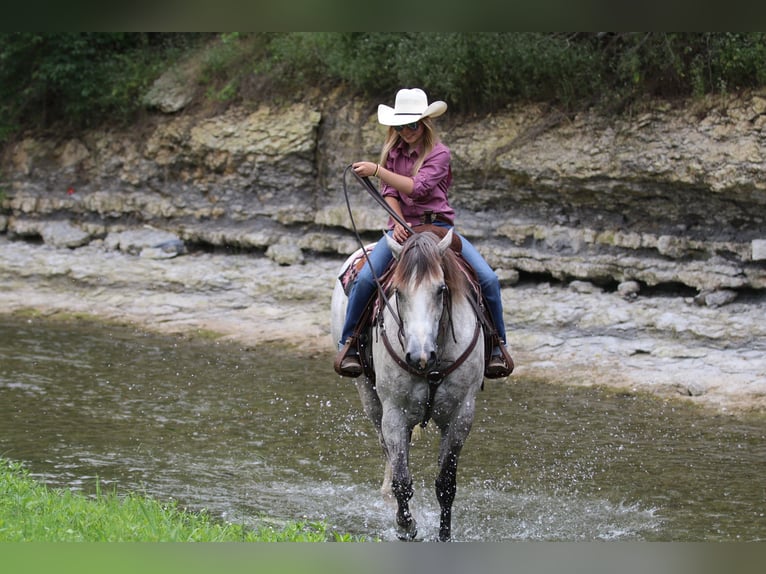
(410, 106)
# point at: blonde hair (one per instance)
(428, 140)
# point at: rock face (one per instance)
(672, 196)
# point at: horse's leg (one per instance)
(385, 489)
(370, 401)
(452, 440)
(446, 487)
(374, 411)
(401, 485)
(397, 435)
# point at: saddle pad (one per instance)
(348, 276)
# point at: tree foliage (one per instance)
(82, 79)
(486, 71)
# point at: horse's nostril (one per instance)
(416, 360)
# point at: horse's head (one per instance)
(421, 285)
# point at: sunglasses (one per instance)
(413, 126)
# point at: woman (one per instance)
(415, 175)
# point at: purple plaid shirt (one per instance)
(431, 183)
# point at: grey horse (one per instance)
(427, 356)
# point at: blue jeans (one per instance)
(381, 256)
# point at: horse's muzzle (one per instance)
(422, 361)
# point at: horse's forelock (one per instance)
(421, 260)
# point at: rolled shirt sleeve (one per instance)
(430, 184)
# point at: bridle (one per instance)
(436, 375)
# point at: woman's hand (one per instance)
(365, 168)
(400, 233)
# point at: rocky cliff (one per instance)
(672, 196)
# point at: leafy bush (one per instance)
(486, 71)
(228, 62)
(82, 79)
(682, 64)
(473, 71)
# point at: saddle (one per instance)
(363, 330)
(349, 275)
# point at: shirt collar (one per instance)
(402, 149)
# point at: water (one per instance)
(250, 434)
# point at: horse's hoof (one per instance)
(409, 533)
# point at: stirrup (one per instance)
(500, 369)
(347, 364)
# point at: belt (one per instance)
(431, 217)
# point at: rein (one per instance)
(375, 194)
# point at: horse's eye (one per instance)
(442, 289)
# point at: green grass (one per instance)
(32, 512)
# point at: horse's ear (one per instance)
(394, 246)
(446, 242)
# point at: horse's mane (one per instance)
(420, 260)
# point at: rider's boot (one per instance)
(347, 362)
(500, 363)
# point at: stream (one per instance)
(254, 434)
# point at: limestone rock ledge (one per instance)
(674, 194)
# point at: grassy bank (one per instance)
(32, 512)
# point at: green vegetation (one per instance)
(31, 512)
(486, 71)
(82, 79)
